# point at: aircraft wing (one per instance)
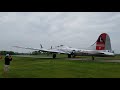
(25, 48)
(44, 50)
(54, 51)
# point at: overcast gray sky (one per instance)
(75, 29)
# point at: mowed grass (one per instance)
(26, 67)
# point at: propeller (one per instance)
(51, 47)
(41, 46)
(73, 53)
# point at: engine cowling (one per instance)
(73, 53)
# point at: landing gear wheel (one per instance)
(69, 55)
(54, 55)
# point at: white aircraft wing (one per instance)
(44, 50)
(26, 48)
(53, 51)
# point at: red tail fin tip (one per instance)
(100, 44)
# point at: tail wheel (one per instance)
(93, 58)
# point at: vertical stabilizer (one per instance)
(102, 43)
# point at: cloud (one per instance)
(76, 29)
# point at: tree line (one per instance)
(17, 53)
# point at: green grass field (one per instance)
(26, 67)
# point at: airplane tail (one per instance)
(102, 43)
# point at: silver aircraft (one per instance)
(101, 48)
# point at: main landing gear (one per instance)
(71, 55)
(54, 55)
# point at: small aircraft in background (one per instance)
(101, 48)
